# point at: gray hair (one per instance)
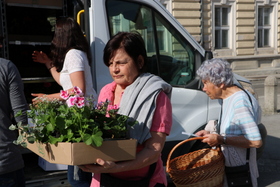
(217, 71)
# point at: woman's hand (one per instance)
(101, 166)
(147, 156)
(202, 133)
(41, 57)
(213, 139)
(39, 96)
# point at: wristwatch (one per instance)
(224, 140)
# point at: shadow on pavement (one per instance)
(269, 163)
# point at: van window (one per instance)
(170, 55)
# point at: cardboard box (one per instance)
(45, 165)
(80, 153)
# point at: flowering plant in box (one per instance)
(76, 119)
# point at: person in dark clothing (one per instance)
(12, 101)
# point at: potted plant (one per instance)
(76, 119)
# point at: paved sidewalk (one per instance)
(269, 163)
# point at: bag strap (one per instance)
(247, 95)
(248, 149)
(248, 155)
(218, 127)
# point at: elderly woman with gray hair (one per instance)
(236, 131)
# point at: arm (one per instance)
(78, 79)
(238, 141)
(16, 94)
(42, 58)
(150, 154)
(38, 96)
(162, 122)
(74, 63)
(55, 74)
(241, 141)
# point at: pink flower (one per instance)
(64, 94)
(80, 102)
(73, 97)
(75, 100)
(71, 101)
(78, 91)
(112, 107)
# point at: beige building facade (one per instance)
(245, 32)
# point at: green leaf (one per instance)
(50, 127)
(24, 144)
(19, 113)
(54, 140)
(97, 140)
(87, 139)
(13, 127)
(94, 139)
(20, 139)
(31, 139)
(56, 122)
(77, 139)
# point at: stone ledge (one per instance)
(259, 72)
(240, 65)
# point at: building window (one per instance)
(221, 27)
(264, 26)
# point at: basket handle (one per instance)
(177, 145)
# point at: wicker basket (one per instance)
(201, 168)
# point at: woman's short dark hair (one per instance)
(131, 42)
